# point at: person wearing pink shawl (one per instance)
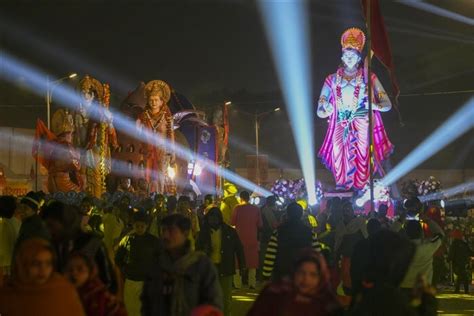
(343, 100)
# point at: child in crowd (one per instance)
(95, 297)
(135, 257)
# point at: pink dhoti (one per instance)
(351, 153)
(345, 150)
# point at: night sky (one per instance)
(213, 51)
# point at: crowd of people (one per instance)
(170, 256)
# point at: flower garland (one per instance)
(429, 186)
(294, 189)
(355, 98)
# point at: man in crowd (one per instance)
(422, 263)
(270, 223)
(247, 221)
(181, 279)
(184, 208)
(126, 185)
(63, 223)
(135, 256)
(9, 228)
(207, 204)
(286, 242)
(32, 225)
(460, 255)
(229, 202)
(158, 213)
(222, 244)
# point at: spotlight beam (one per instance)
(458, 124)
(447, 193)
(287, 28)
(14, 68)
(23, 141)
(427, 7)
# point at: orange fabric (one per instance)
(20, 297)
(55, 298)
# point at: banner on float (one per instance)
(16, 187)
(207, 148)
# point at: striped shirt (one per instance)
(271, 253)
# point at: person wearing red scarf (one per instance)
(308, 292)
(95, 298)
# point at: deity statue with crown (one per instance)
(101, 137)
(59, 156)
(344, 101)
(155, 127)
(94, 134)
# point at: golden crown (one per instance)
(158, 86)
(353, 38)
(62, 122)
(91, 84)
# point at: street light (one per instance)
(228, 103)
(50, 85)
(257, 117)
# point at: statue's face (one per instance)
(350, 58)
(88, 97)
(155, 101)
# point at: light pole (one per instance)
(257, 116)
(50, 85)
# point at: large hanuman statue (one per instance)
(343, 100)
(155, 127)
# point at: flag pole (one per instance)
(36, 172)
(370, 93)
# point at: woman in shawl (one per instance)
(35, 288)
(308, 292)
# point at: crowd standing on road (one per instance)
(170, 256)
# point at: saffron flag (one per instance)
(380, 42)
(43, 137)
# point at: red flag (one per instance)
(380, 43)
(225, 118)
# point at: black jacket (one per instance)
(201, 286)
(285, 245)
(460, 254)
(135, 255)
(231, 248)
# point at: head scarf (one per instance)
(25, 256)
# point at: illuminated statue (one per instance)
(94, 134)
(60, 157)
(101, 136)
(343, 100)
(155, 126)
(220, 121)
